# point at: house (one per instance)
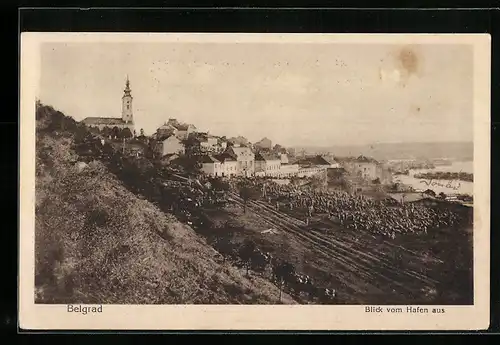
(364, 167)
(169, 145)
(289, 170)
(165, 131)
(238, 141)
(181, 130)
(268, 164)
(223, 165)
(208, 143)
(317, 161)
(211, 166)
(222, 144)
(229, 164)
(335, 176)
(168, 158)
(245, 158)
(284, 158)
(184, 130)
(263, 144)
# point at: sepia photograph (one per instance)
(274, 171)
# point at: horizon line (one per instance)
(386, 143)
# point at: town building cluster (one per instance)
(221, 156)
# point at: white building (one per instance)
(245, 158)
(289, 170)
(284, 158)
(223, 165)
(267, 164)
(181, 130)
(169, 145)
(209, 143)
(367, 168)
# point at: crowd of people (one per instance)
(356, 211)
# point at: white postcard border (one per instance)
(255, 317)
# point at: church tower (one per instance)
(127, 115)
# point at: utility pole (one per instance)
(123, 146)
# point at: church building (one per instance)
(127, 119)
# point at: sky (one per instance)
(295, 94)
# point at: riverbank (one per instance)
(446, 175)
(446, 186)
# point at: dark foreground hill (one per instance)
(98, 242)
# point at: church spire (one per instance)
(127, 114)
(127, 88)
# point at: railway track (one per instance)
(351, 285)
(407, 253)
(348, 263)
(364, 265)
(377, 260)
(382, 260)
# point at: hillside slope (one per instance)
(97, 242)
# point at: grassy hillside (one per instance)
(99, 242)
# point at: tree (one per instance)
(224, 245)
(106, 131)
(126, 133)
(283, 272)
(219, 189)
(151, 151)
(430, 192)
(247, 251)
(190, 164)
(94, 130)
(219, 184)
(376, 181)
(278, 149)
(115, 132)
(318, 181)
(191, 146)
(247, 193)
(442, 195)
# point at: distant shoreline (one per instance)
(445, 175)
(452, 151)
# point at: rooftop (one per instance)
(359, 159)
(241, 150)
(261, 156)
(224, 157)
(316, 160)
(176, 124)
(166, 136)
(209, 159)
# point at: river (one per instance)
(438, 186)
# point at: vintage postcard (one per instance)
(254, 181)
